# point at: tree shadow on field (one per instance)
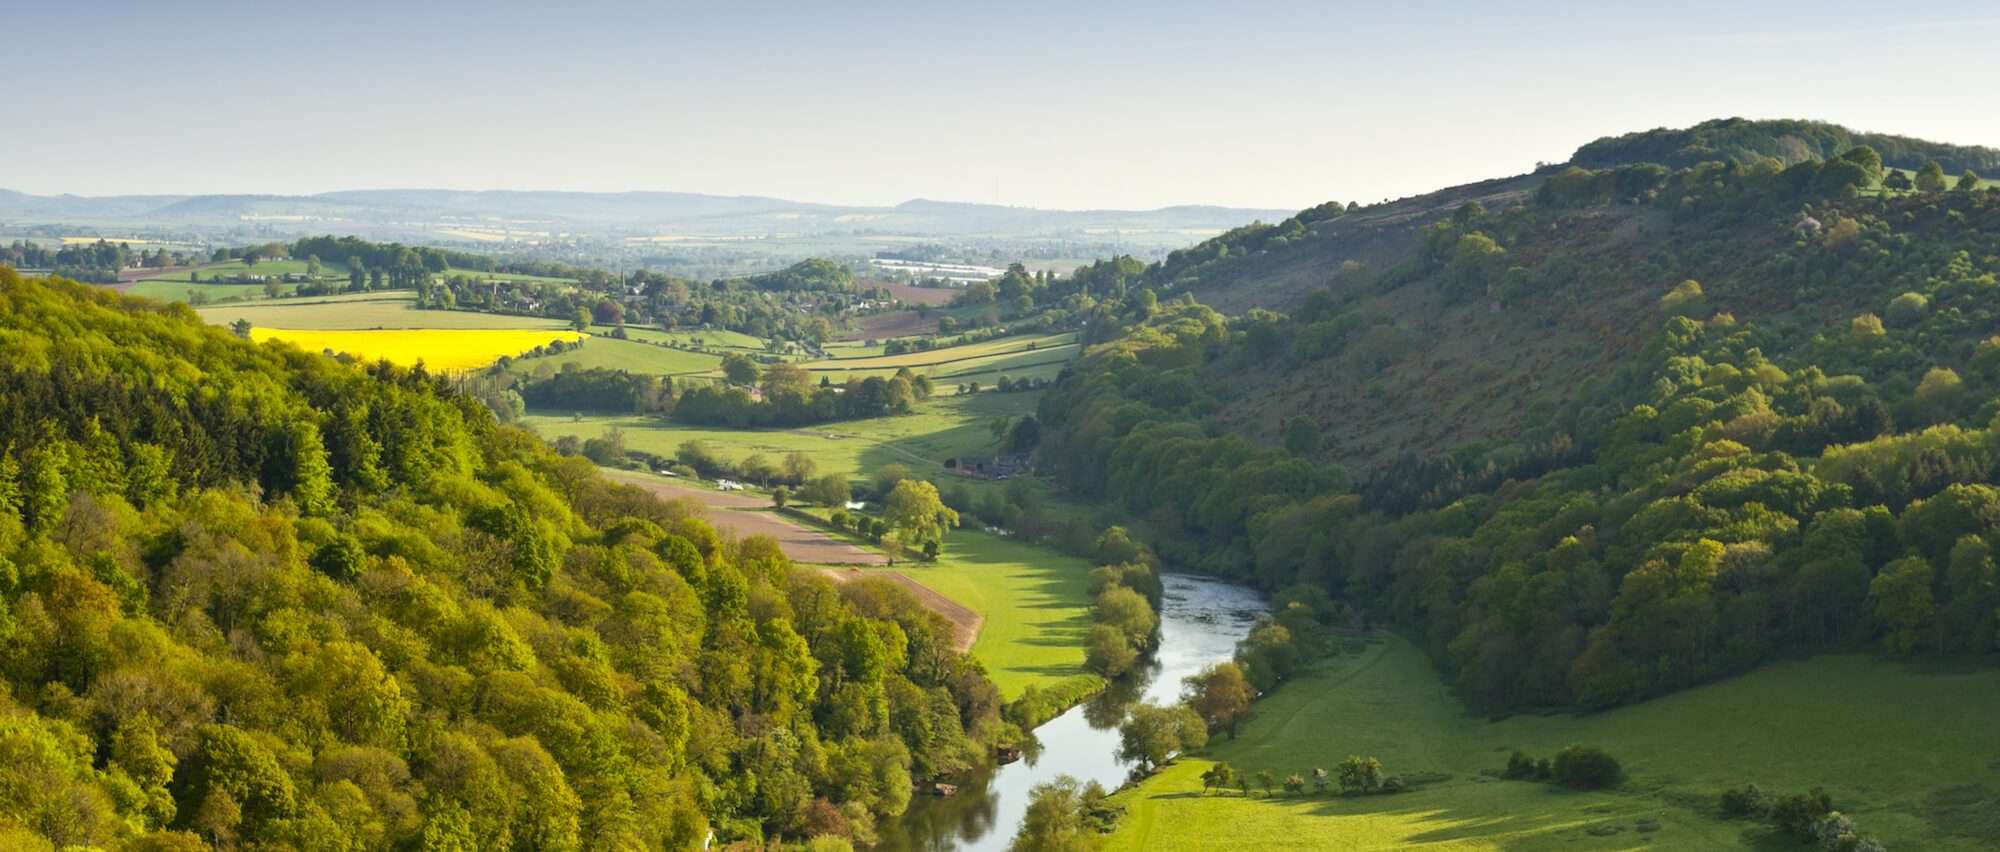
(1446, 814)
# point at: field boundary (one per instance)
(965, 621)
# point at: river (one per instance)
(1201, 620)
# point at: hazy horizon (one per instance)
(1035, 105)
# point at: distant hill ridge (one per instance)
(620, 209)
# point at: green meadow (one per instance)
(942, 427)
(631, 356)
(1036, 603)
(1908, 750)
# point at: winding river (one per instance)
(1201, 621)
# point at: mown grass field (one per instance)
(1910, 753)
(1036, 603)
(628, 355)
(382, 309)
(439, 349)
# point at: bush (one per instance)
(1798, 815)
(1586, 768)
(1745, 802)
(1519, 766)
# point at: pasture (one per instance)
(1019, 356)
(629, 355)
(445, 350)
(941, 428)
(1868, 730)
(1036, 604)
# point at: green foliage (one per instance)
(1586, 768)
(1152, 735)
(269, 599)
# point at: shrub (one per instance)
(1586, 768)
(1519, 766)
(1798, 814)
(1744, 802)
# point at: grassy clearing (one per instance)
(380, 310)
(628, 355)
(1908, 752)
(1036, 603)
(439, 349)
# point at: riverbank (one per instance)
(1866, 729)
(1201, 620)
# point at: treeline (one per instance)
(1743, 142)
(790, 397)
(1735, 492)
(98, 262)
(256, 597)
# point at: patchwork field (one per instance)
(943, 427)
(1909, 752)
(439, 349)
(1017, 357)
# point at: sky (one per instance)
(1057, 105)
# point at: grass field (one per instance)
(387, 310)
(630, 356)
(1020, 356)
(1910, 753)
(1035, 600)
(439, 349)
(717, 339)
(942, 427)
(175, 286)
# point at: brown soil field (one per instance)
(893, 324)
(748, 515)
(965, 623)
(920, 295)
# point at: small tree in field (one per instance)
(1266, 780)
(1586, 768)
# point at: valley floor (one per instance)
(1908, 750)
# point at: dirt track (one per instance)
(749, 515)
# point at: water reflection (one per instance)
(1201, 620)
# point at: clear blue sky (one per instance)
(1047, 104)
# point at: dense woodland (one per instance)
(256, 597)
(1749, 484)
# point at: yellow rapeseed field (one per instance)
(441, 349)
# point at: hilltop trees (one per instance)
(1732, 491)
